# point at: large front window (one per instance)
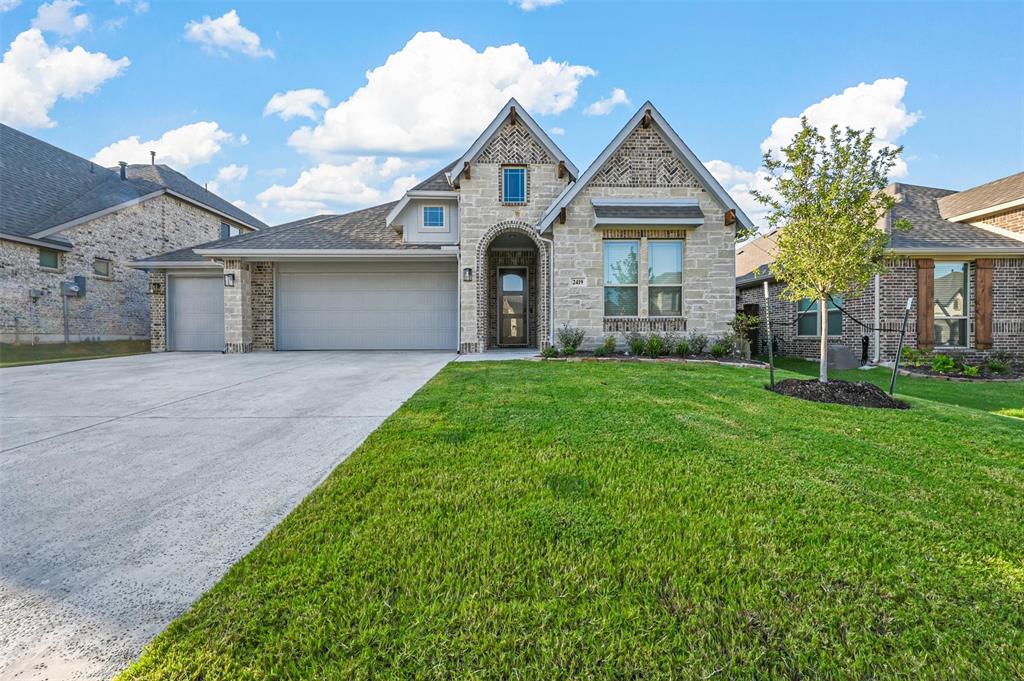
(513, 185)
(621, 280)
(807, 317)
(665, 278)
(951, 290)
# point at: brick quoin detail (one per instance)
(484, 283)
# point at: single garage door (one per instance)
(366, 305)
(195, 313)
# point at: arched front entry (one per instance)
(513, 293)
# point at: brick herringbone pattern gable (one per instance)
(513, 144)
(645, 159)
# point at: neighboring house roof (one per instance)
(361, 230)
(759, 251)
(44, 189)
(986, 198)
(521, 114)
(698, 168)
(930, 232)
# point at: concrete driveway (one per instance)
(128, 486)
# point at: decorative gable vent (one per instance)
(514, 144)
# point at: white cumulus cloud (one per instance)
(877, 105)
(336, 186)
(8, 5)
(137, 6)
(556, 131)
(59, 17)
(293, 103)
(225, 34)
(605, 106)
(439, 93)
(33, 76)
(530, 5)
(180, 148)
(233, 173)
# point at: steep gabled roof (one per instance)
(45, 190)
(438, 181)
(759, 251)
(522, 115)
(673, 139)
(987, 198)
(929, 231)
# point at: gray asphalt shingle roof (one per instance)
(641, 212)
(928, 229)
(43, 186)
(983, 196)
(438, 181)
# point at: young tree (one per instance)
(827, 197)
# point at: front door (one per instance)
(513, 302)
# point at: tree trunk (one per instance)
(823, 327)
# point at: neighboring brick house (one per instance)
(962, 261)
(62, 217)
(497, 249)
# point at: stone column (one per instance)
(158, 310)
(238, 336)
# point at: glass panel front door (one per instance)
(512, 306)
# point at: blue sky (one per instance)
(946, 80)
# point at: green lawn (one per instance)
(618, 520)
(991, 396)
(13, 355)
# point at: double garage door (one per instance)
(366, 305)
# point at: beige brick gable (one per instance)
(513, 143)
(645, 159)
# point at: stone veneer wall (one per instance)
(644, 167)
(263, 305)
(238, 332)
(1012, 220)
(896, 285)
(115, 307)
(527, 259)
(158, 311)
(482, 217)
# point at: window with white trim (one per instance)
(621, 280)
(513, 185)
(665, 278)
(951, 304)
(807, 317)
(433, 217)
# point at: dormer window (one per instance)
(513, 185)
(433, 217)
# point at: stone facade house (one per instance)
(68, 226)
(962, 262)
(497, 249)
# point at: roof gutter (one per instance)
(323, 253)
(36, 242)
(953, 251)
(173, 265)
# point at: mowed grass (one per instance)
(621, 520)
(14, 355)
(984, 395)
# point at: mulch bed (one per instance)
(856, 394)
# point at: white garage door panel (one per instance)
(196, 313)
(368, 307)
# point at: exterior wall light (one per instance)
(467, 274)
(229, 279)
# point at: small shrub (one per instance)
(683, 348)
(971, 370)
(743, 325)
(637, 343)
(549, 352)
(568, 351)
(943, 364)
(997, 367)
(599, 351)
(609, 344)
(570, 339)
(720, 349)
(655, 346)
(698, 343)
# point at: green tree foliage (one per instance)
(827, 197)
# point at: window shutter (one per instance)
(225, 230)
(925, 302)
(983, 304)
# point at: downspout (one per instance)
(458, 301)
(878, 318)
(551, 288)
